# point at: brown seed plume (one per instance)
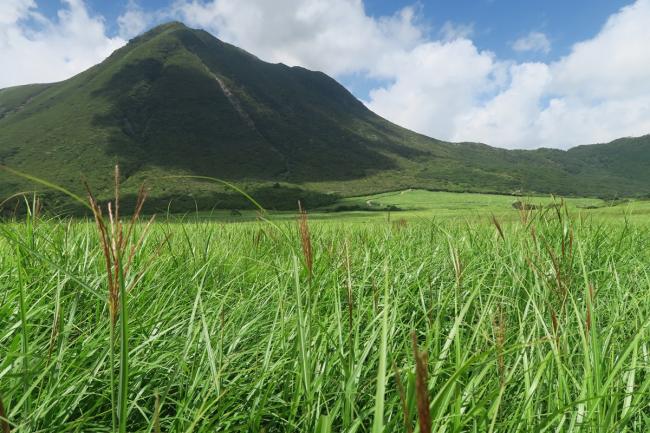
(421, 387)
(3, 419)
(589, 301)
(402, 398)
(119, 251)
(498, 226)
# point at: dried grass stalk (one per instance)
(421, 387)
(4, 423)
(402, 398)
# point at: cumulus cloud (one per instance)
(450, 31)
(335, 36)
(597, 93)
(510, 117)
(432, 83)
(533, 41)
(34, 48)
(134, 20)
(13, 10)
(613, 64)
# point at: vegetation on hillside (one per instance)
(177, 101)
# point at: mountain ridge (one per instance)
(179, 101)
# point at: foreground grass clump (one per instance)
(534, 325)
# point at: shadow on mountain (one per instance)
(179, 116)
(280, 198)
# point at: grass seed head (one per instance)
(498, 226)
(400, 224)
(4, 422)
(402, 398)
(118, 248)
(421, 386)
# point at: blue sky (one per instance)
(495, 24)
(516, 74)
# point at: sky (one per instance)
(509, 73)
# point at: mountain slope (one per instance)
(179, 101)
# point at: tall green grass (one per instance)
(535, 325)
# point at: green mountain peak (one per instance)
(176, 100)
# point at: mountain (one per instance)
(178, 101)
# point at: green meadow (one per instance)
(408, 312)
(426, 206)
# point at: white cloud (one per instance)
(134, 20)
(36, 49)
(433, 82)
(13, 10)
(335, 36)
(533, 41)
(450, 31)
(510, 117)
(598, 92)
(614, 64)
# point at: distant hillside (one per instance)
(178, 101)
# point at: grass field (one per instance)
(429, 206)
(440, 318)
